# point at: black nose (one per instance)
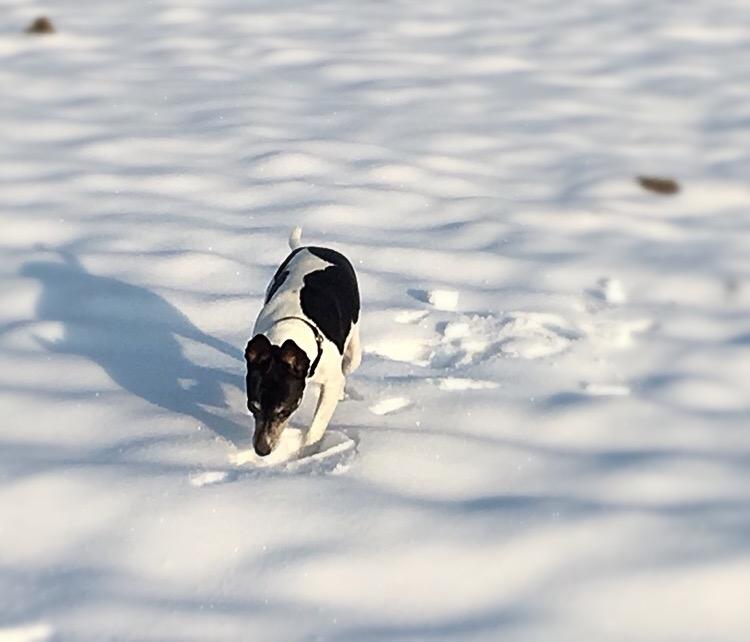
(262, 447)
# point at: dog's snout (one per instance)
(262, 447)
(267, 435)
(263, 442)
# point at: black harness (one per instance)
(318, 341)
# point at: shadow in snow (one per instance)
(419, 295)
(132, 333)
(740, 340)
(457, 628)
(562, 400)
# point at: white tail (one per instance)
(295, 238)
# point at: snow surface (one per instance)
(564, 456)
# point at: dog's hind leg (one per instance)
(352, 352)
(330, 393)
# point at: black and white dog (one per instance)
(307, 332)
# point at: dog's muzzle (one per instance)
(262, 446)
(266, 437)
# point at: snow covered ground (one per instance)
(548, 437)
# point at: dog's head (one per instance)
(275, 383)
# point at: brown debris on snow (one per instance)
(41, 25)
(658, 184)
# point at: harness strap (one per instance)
(318, 341)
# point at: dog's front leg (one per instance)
(330, 393)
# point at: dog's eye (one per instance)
(254, 406)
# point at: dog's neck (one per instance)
(299, 331)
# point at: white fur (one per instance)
(295, 238)
(330, 374)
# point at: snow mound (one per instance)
(209, 477)
(462, 383)
(608, 292)
(605, 389)
(388, 406)
(443, 299)
(30, 633)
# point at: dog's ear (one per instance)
(258, 350)
(295, 359)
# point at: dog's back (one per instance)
(319, 284)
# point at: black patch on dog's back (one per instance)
(280, 276)
(330, 297)
(278, 281)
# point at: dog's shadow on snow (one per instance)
(132, 333)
